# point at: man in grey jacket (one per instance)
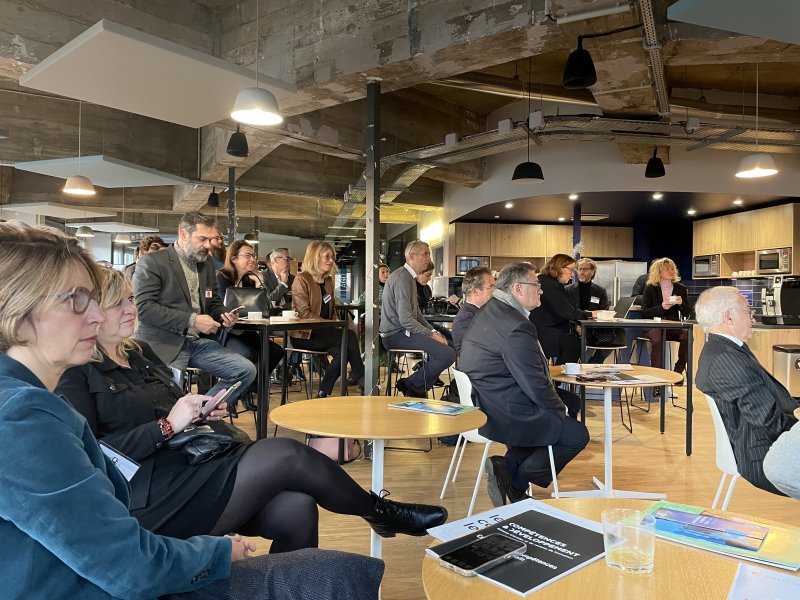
(403, 326)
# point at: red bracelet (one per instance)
(167, 430)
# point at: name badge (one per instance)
(125, 465)
(594, 300)
(209, 292)
(327, 298)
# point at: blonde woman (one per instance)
(312, 298)
(665, 297)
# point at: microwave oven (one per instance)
(465, 263)
(706, 265)
(774, 261)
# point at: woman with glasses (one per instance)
(554, 318)
(64, 520)
(665, 297)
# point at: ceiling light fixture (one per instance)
(657, 196)
(251, 238)
(497, 216)
(528, 172)
(579, 72)
(562, 218)
(573, 197)
(759, 164)
(84, 231)
(255, 105)
(738, 202)
(655, 166)
(237, 145)
(509, 205)
(691, 212)
(78, 185)
(213, 198)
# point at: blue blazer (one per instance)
(64, 523)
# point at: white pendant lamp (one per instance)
(78, 185)
(256, 106)
(122, 239)
(84, 231)
(759, 164)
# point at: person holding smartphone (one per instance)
(270, 488)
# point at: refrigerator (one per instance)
(618, 277)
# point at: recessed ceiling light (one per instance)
(658, 196)
(573, 196)
(509, 205)
(738, 202)
(691, 211)
(497, 216)
(562, 218)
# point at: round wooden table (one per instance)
(370, 418)
(605, 488)
(680, 571)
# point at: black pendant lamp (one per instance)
(213, 198)
(579, 73)
(528, 172)
(655, 166)
(237, 145)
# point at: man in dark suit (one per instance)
(755, 407)
(477, 286)
(511, 383)
(180, 311)
(587, 295)
(277, 278)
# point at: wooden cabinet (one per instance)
(473, 239)
(707, 237)
(518, 240)
(559, 240)
(773, 227)
(607, 242)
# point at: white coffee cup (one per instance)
(254, 315)
(289, 314)
(572, 368)
(673, 299)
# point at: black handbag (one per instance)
(606, 337)
(253, 300)
(200, 443)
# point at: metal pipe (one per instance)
(593, 14)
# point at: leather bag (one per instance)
(200, 443)
(330, 447)
(253, 299)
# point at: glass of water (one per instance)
(629, 538)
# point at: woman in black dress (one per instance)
(270, 488)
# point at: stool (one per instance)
(402, 362)
(321, 356)
(671, 354)
(615, 350)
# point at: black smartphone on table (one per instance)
(481, 554)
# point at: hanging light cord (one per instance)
(258, 14)
(756, 107)
(528, 120)
(80, 115)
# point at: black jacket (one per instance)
(280, 294)
(553, 317)
(573, 293)
(652, 299)
(462, 322)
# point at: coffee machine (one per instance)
(781, 304)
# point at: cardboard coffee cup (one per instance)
(254, 315)
(572, 368)
(289, 314)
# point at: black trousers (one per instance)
(330, 341)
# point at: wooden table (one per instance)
(369, 417)
(605, 487)
(265, 327)
(680, 571)
(586, 325)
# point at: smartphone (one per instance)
(236, 310)
(482, 554)
(591, 378)
(222, 396)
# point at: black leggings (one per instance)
(330, 340)
(279, 483)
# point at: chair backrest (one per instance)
(464, 386)
(726, 461)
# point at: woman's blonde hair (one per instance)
(654, 275)
(114, 288)
(312, 261)
(553, 267)
(35, 260)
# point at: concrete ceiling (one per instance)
(445, 66)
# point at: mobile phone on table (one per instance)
(481, 554)
(222, 396)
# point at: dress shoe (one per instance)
(247, 402)
(297, 373)
(322, 394)
(389, 518)
(492, 487)
(438, 383)
(407, 390)
(232, 412)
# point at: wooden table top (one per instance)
(369, 417)
(671, 377)
(680, 571)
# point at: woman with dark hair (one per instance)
(312, 298)
(64, 519)
(554, 318)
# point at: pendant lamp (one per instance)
(78, 185)
(579, 72)
(122, 238)
(237, 145)
(655, 166)
(528, 172)
(213, 198)
(759, 164)
(254, 105)
(84, 231)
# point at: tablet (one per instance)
(221, 397)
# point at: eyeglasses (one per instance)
(288, 259)
(79, 299)
(536, 285)
(246, 255)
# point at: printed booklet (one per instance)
(437, 407)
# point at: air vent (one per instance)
(586, 217)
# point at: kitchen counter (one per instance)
(764, 338)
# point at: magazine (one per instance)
(778, 546)
(555, 547)
(436, 407)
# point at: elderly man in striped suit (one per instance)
(755, 407)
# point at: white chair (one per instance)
(726, 461)
(465, 397)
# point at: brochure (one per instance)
(555, 547)
(757, 583)
(778, 546)
(437, 407)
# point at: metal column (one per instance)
(231, 205)
(373, 215)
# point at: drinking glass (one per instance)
(629, 538)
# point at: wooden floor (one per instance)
(644, 460)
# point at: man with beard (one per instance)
(180, 311)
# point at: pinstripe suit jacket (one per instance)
(754, 406)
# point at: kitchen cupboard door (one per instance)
(707, 237)
(518, 240)
(473, 239)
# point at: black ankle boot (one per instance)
(390, 518)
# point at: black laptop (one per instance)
(623, 306)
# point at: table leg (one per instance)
(343, 361)
(689, 383)
(263, 386)
(375, 546)
(583, 387)
(663, 403)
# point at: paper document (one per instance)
(605, 368)
(757, 583)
